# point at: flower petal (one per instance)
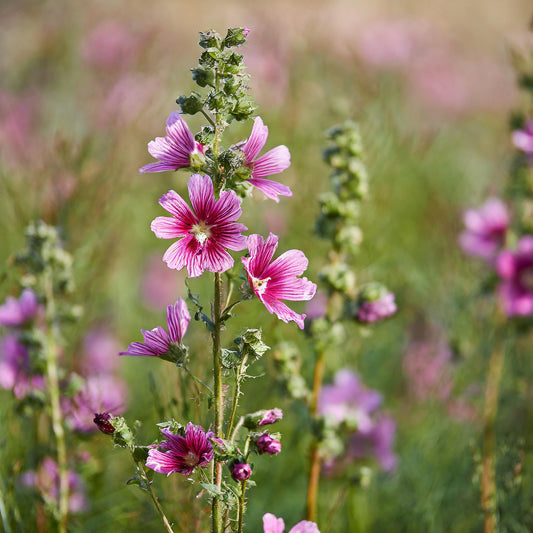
(178, 319)
(271, 189)
(261, 253)
(256, 140)
(202, 197)
(283, 312)
(177, 206)
(169, 227)
(273, 162)
(271, 524)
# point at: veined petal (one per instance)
(294, 289)
(180, 133)
(177, 253)
(177, 206)
(215, 258)
(156, 167)
(271, 189)
(230, 236)
(256, 141)
(227, 208)
(157, 339)
(289, 264)
(166, 150)
(169, 227)
(178, 319)
(261, 253)
(201, 195)
(138, 348)
(282, 311)
(273, 162)
(163, 463)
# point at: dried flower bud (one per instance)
(102, 422)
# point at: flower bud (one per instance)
(241, 471)
(267, 444)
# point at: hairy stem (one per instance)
(219, 399)
(55, 406)
(315, 461)
(489, 500)
(236, 394)
(241, 507)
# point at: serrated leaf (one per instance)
(230, 358)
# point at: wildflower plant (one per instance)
(205, 229)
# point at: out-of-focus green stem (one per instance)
(489, 501)
(241, 506)
(55, 406)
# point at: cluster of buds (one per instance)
(338, 222)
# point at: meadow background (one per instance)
(84, 87)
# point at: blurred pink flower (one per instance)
(515, 269)
(271, 524)
(15, 312)
(523, 139)
(316, 308)
(99, 393)
(426, 366)
(46, 480)
(486, 228)
(110, 46)
(100, 349)
(160, 284)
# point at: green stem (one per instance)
(53, 391)
(148, 484)
(219, 399)
(236, 394)
(241, 506)
(489, 501)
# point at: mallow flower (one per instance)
(273, 162)
(523, 139)
(15, 312)
(158, 342)
(271, 524)
(176, 149)
(204, 232)
(181, 454)
(485, 229)
(273, 281)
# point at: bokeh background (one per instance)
(85, 86)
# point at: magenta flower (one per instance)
(272, 282)
(175, 150)
(159, 343)
(17, 312)
(485, 229)
(100, 349)
(273, 162)
(271, 524)
(271, 416)
(516, 272)
(241, 471)
(181, 454)
(523, 139)
(348, 401)
(375, 303)
(206, 231)
(268, 444)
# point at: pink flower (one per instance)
(158, 342)
(16, 312)
(375, 303)
(268, 444)
(206, 231)
(523, 139)
(485, 229)
(271, 416)
(271, 524)
(160, 284)
(98, 393)
(100, 349)
(273, 162)
(272, 282)
(173, 151)
(181, 454)
(516, 272)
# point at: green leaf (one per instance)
(230, 358)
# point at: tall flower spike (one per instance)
(181, 454)
(158, 342)
(273, 162)
(206, 231)
(175, 150)
(277, 280)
